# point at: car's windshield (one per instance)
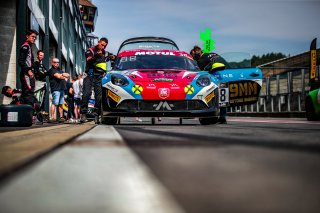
(155, 62)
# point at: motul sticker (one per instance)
(154, 53)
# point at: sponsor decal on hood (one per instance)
(164, 93)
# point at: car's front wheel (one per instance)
(208, 121)
(109, 120)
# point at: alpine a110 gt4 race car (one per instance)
(168, 83)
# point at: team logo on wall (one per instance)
(164, 93)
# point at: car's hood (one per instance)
(161, 75)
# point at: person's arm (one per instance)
(111, 57)
(75, 87)
(61, 75)
(71, 91)
(44, 67)
(91, 57)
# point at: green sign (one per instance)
(208, 43)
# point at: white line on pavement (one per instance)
(89, 178)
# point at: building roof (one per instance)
(87, 3)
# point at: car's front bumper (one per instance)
(159, 108)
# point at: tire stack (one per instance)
(16, 115)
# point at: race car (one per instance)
(313, 105)
(168, 83)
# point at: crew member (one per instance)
(205, 61)
(40, 74)
(95, 56)
(15, 94)
(25, 61)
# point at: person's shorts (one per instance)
(58, 97)
(77, 101)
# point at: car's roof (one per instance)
(148, 39)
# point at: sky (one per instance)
(252, 26)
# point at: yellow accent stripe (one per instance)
(209, 97)
(113, 96)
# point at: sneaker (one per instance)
(52, 120)
(70, 121)
(61, 120)
(159, 119)
(39, 117)
(138, 119)
(44, 113)
(83, 118)
(36, 121)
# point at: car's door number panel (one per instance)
(223, 96)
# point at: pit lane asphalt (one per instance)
(248, 165)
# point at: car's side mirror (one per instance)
(217, 67)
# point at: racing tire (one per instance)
(310, 111)
(107, 120)
(153, 121)
(214, 120)
(16, 115)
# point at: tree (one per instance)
(266, 58)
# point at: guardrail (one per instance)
(281, 94)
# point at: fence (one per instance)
(283, 92)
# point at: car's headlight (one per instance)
(203, 81)
(119, 80)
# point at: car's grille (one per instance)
(162, 105)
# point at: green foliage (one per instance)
(266, 58)
(242, 64)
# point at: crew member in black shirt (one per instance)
(205, 61)
(40, 74)
(57, 78)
